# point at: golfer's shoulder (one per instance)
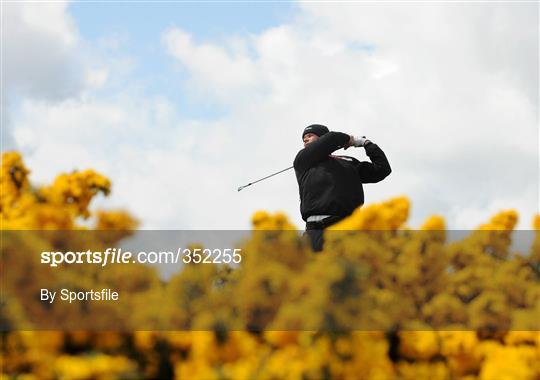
(298, 158)
(299, 154)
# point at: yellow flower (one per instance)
(388, 215)
(435, 222)
(510, 363)
(281, 338)
(419, 344)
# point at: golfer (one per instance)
(331, 186)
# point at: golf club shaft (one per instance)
(259, 180)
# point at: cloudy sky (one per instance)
(181, 103)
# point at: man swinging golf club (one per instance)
(331, 186)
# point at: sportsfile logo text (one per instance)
(118, 256)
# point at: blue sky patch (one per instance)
(138, 27)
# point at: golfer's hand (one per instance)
(357, 141)
(362, 141)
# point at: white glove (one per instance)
(359, 141)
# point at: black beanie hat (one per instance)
(317, 129)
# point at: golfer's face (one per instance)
(309, 138)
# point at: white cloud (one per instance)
(96, 78)
(44, 59)
(447, 90)
(218, 71)
(39, 45)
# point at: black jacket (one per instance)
(332, 185)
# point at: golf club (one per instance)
(259, 180)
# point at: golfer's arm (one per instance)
(318, 150)
(376, 170)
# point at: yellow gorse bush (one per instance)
(49, 207)
(412, 280)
